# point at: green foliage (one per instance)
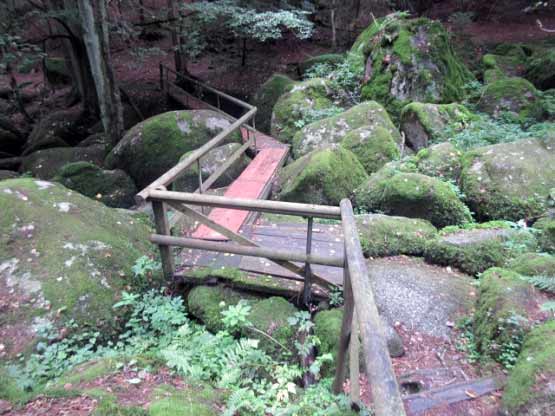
(336, 296)
(544, 283)
(345, 79)
(143, 271)
(310, 115)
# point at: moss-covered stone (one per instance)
(327, 328)
(270, 316)
(45, 164)
(322, 177)
(502, 311)
(511, 64)
(305, 101)
(206, 303)
(533, 264)
(476, 250)
(155, 145)
(112, 187)
(515, 95)
(540, 69)
(529, 388)
(443, 161)
(266, 97)
(407, 60)
(331, 130)
(424, 123)
(329, 59)
(546, 225)
(509, 180)
(64, 256)
(210, 162)
(383, 235)
(412, 195)
(8, 174)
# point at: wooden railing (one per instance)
(361, 324)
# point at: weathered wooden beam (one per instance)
(383, 383)
(354, 363)
(268, 253)
(276, 207)
(162, 227)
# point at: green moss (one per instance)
(88, 371)
(270, 316)
(501, 313)
(412, 195)
(489, 225)
(108, 406)
(528, 384)
(193, 401)
(373, 148)
(382, 235)
(9, 389)
(534, 264)
(547, 237)
(329, 59)
(267, 96)
(402, 46)
(541, 69)
(443, 161)
(327, 328)
(322, 177)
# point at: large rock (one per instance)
(409, 60)
(510, 180)
(426, 123)
(45, 164)
(321, 177)
(266, 97)
(533, 264)
(546, 225)
(155, 145)
(210, 162)
(63, 257)
(514, 95)
(443, 161)
(530, 387)
(412, 195)
(112, 187)
(10, 143)
(8, 174)
(331, 130)
(384, 235)
(305, 102)
(540, 69)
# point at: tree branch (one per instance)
(540, 25)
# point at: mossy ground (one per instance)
(547, 237)
(327, 328)
(533, 264)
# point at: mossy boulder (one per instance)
(512, 95)
(477, 249)
(270, 316)
(384, 235)
(112, 187)
(8, 174)
(533, 264)
(305, 102)
(155, 145)
(501, 317)
(266, 97)
(407, 60)
(425, 123)
(540, 69)
(329, 60)
(412, 195)
(64, 257)
(529, 390)
(322, 177)
(509, 180)
(443, 161)
(210, 162)
(546, 225)
(45, 164)
(332, 130)
(499, 66)
(206, 303)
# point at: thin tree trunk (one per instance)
(180, 61)
(333, 28)
(95, 33)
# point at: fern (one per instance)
(544, 283)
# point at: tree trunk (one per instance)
(95, 33)
(180, 60)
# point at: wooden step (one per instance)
(251, 184)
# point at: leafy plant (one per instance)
(544, 283)
(336, 295)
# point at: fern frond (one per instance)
(544, 283)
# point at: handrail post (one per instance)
(199, 168)
(307, 288)
(354, 361)
(162, 227)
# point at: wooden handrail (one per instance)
(383, 383)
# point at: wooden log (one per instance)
(163, 228)
(354, 363)
(268, 253)
(276, 207)
(383, 383)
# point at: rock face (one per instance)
(62, 257)
(112, 187)
(409, 60)
(307, 100)
(510, 180)
(368, 115)
(155, 145)
(443, 161)
(529, 390)
(501, 312)
(45, 164)
(412, 195)
(384, 235)
(547, 238)
(210, 162)
(514, 95)
(267, 96)
(426, 123)
(321, 177)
